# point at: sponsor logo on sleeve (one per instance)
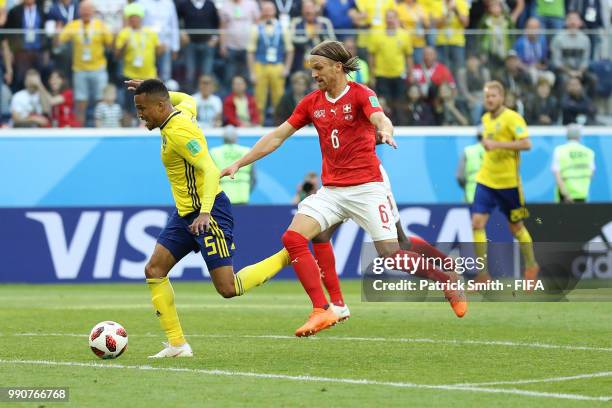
(194, 147)
(374, 102)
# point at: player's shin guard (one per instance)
(419, 266)
(324, 254)
(526, 246)
(162, 296)
(480, 249)
(422, 247)
(305, 267)
(254, 275)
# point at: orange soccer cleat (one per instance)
(319, 319)
(456, 298)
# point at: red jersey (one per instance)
(346, 135)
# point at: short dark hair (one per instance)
(153, 87)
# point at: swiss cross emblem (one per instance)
(346, 108)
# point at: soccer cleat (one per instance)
(341, 312)
(174, 351)
(319, 319)
(456, 298)
(531, 274)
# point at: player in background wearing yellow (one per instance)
(203, 218)
(498, 180)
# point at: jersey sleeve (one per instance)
(519, 127)
(188, 143)
(183, 102)
(67, 32)
(121, 39)
(301, 114)
(369, 102)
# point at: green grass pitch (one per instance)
(387, 354)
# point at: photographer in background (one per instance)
(309, 186)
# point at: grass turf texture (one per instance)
(253, 334)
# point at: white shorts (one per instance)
(390, 197)
(366, 204)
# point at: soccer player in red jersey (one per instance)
(347, 116)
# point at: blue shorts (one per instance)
(509, 200)
(217, 244)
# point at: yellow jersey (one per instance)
(139, 54)
(390, 52)
(88, 44)
(413, 19)
(500, 167)
(452, 31)
(376, 11)
(193, 176)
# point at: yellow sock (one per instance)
(254, 275)
(526, 246)
(162, 296)
(480, 247)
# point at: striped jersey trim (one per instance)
(192, 186)
(173, 114)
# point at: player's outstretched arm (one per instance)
(384, 128)
(516, 145)
(262, 148)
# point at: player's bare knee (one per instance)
(227, 291)
(153, 272)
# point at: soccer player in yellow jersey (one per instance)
(203, 218)
(498, 180)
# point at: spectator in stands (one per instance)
(61, 101)
(532, 50)
(514, 102)
(573, 166)
(309, 186)
(551, 13)
(415, 111)
(576, 107)
(446, 110)
(361, 76)
(413, 19)
(3, 13)
(495, 43)
(514, 77)
(450, 18)
(270, 55)
(570, 49)
(542, 108)
(108, 112)
(300, 84)
(200, 51)
(288, 10)
(137, 47)
(591, 13)
(111, 13)
(30, 106)
(309, 30)
(61, 13)
(369, 15)
(431, 72)
(89, 37)
(28, 49)
(160, 15)
(6, 77)
(237, 18)
(210, 107)
(471, 81)
(390, 58)
(339, 13)
(240, 108)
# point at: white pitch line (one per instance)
(307, 378)
(539, 380)
(451, 342)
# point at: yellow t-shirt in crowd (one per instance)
(376, 11)
(500, 167)
(390, 52)
(139, 54)
(452, 32)
(414, 18)
(88, 44)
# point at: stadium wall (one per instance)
(102, 167)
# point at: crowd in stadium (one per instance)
(64, 61)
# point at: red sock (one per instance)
(305, 267)
(422, 247)
(425, 271)
(324, 254)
